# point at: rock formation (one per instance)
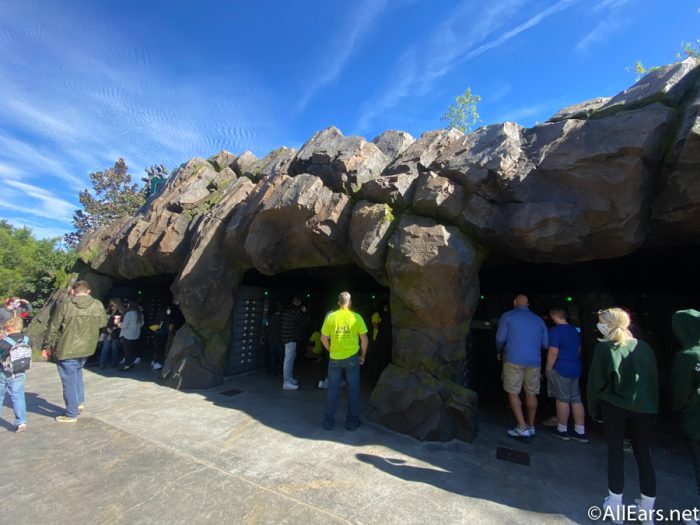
(599, 180)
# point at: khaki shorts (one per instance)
(515, 377)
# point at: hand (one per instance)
(362, 360)
(46, 353)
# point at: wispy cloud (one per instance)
(361, 21)
(615, 16)
(16, 194)
(457, 40)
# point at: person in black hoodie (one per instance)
(292, 327)
(685, 383)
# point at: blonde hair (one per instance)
(618, 321)
(14, 325)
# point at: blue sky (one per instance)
(84, 82)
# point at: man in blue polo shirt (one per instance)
(520, 337)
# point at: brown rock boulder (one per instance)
(370, 228)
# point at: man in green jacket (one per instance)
(72, 337)
(685, 381)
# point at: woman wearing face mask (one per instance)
(623, 391)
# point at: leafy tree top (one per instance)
(113, 196)
(463, 114)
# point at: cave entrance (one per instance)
(259, 296)
(153, 295)
(650, 286)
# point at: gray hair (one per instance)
(344, 298)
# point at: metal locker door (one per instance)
(246, 330)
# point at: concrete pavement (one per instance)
(144, 453)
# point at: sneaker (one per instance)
(550, 422)
(21, 427)
(66, 419)
(616, 511)
(532, 431)
(157, 366)
(81, 409)
(517, 433)
(137, 360)
(295, 381)
(559, 434)
(288, 385)
(126, 368)
(323, 383)
(123, 361)
(581, 438)
(153, 363)
(353, 426)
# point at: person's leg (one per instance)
(114, 348)
(352, 377)
(16, 390)
(563, 413)
(288, 366)
(640, 432)
(335, 376)
(79, 386)
(513, 384)
(67, 370)
(531, 383)
(104, 353)
(579, 414)
(128, 351)
(694, 446)
(614, 423)
(531, 406)
(4, 380)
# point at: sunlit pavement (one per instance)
(144, 453)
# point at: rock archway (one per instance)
(601, 179)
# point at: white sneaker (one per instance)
(295, 381)
(157, 366)
(123, 361)
(616, 511)
(517, 433)
(288, 385)
(645, 508)
(323, 383)
(137, 360)
(532, 431)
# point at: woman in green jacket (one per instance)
(623, 392)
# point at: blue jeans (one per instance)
(71, 372)
(290, 353)
(337, 369)
(109, 346)
(15, 387)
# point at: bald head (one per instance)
(521, 300)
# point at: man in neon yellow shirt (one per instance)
(344, 335)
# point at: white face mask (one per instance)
(603, 329)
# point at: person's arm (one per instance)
(681, 382)
(364, 343)
(501, 336)
(545, 336)
(552, 354)
(597, 381)
(326, 342)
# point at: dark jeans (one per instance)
(349, 369)
(71, 373)
(110, 347)
(159, 347)
(615, 420)
(130, 347)
(694, 446)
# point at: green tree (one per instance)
(463, 114)
(31, 268)
(114, 197)
(689, 49)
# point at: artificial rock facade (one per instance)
(599, 180)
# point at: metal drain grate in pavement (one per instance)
(512, 455)
(230, 393)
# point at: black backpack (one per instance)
(19, 358)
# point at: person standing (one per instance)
(72, 337)
(14, 307)
(623, 392)
(685, 383)
(293, 320)
(130, 334)
(12, 381)
(344, 335)
(520, 337)
(563, 370)
(110, 345)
